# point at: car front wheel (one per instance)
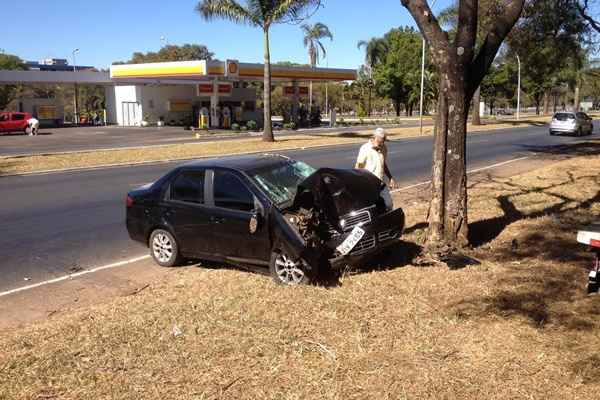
(286, 270)
(164, 248)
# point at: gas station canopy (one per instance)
(230, 69)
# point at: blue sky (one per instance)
(112, 30)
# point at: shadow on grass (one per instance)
(590, 147)
(484, 231)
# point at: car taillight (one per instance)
(129, 201)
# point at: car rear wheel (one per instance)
(287, 271)
(164, 248)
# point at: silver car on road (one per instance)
(577, 123)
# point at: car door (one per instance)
(234, 206)
(4, 122)
(18, 122)
(186, 213)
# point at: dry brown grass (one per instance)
(13, 165)
(517, 326)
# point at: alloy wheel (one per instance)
(162, 248)
(290, 272)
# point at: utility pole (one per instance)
(75, 114)
(519, 88)
(422, 81)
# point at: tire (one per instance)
(285, 271)
(164, 248)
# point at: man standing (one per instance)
(372, 157)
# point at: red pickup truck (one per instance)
(14, 121)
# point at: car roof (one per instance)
(239, 163)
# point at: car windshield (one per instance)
(280, 182)
(564, 116)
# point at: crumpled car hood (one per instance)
(338, 192)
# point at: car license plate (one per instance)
(351, 241)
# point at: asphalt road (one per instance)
(57, 223)
(53, 140)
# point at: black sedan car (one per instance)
(263, 210)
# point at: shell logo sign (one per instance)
(232, 68)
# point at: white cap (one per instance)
(379, 132)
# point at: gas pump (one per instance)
(203, 118)
(226, 118)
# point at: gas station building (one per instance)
(210, 92)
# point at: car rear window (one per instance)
(188, 187)
(564, 116)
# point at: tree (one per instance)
(186, 52)
(262, 14)
(499, 84)
(461, 69)
(312, 40)
(9, 92)
(396, 70)
(375, 50)
(548, 39)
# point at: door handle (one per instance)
(217, 220)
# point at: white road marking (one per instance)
(144, 257)
(75, 275)
(468, 172)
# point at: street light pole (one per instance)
(75, 114)
(327, 91)
(519, 88)
(423, 81)
(422, 85)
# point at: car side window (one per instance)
(18, 117)
(188, 186)
(3, 117)
(230, 192)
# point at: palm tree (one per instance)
(312, 40)
(262, 14)
(375, 50)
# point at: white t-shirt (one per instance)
(372, 159)
(33, 122)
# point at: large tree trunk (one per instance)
(546, 102)
(461, 71)
(438, 167)
(475, 119)
(455, 218)
(576, 99)
(268, 128)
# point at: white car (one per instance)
(577, 123)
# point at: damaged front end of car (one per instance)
(338, 217)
